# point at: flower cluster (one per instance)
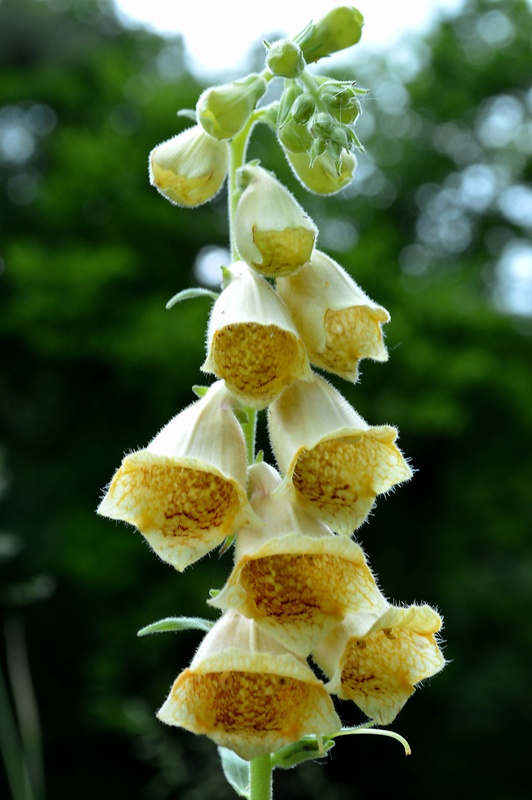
(300, 586)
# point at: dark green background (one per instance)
(92, 366)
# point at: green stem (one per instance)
(260, 771)
(250, 431)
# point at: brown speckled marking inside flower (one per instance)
(351, 334)
(256, 361)
(297, 587)
(248, 702)
(377, 666)
(177, 500)
(283, 252)
(336, 477)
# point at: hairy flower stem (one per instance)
(249, 428)
(260, 770)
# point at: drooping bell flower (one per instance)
(224, 110)
(322, 175)
(252, 342)
(334, 463)
(189, 169)
(377, 662)
(185, 492)
(292, 575)
(272, 232)
(246, 692)
(337, 321)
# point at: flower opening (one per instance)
(378, 662)
(185, 492)
(334, 462)
(247, 693)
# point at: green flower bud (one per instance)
(303, 108)
(323, 177)
(294, 137)
(223, 111)
(285, 59)
(322, 125)
(190, 168)
(341, 101)
(289, 96)
(340, 28)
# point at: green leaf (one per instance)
(236, 771)
(187, 294)
(177, 624)
(200, 391)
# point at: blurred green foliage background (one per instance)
(436, 227)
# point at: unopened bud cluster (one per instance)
(300, 586)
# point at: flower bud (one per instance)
(252, 342)
(341, 101)
(340, 28)
(334, 463)
(248, 693)
(303, 108)
(223, 111)
(295, 137)
(290, 93)
(322, 176)
(337, 321)
(292, 575)
(272, 232)
(285, 58)
(377, 661)
(185, 492)
(190, 168)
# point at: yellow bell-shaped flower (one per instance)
(185, 492)
(292, 575)
(189, 169)
(377, 662)
(246, 692)
(333, 461)
(337, 321)
(252, 342)
(272, 232)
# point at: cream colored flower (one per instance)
(224, 110)
(252, 342)
(335, 318)
(190, 168)
(292, 575)
(185, 492)
(323, 177)
(272, 232)
(248, 693)
(333, 461)
(376, 662)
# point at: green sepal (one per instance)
(236, 771)
(200, 391)
(226, 544)
(177, 624)
(307, 749)
(187, 294)
(259, 458)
